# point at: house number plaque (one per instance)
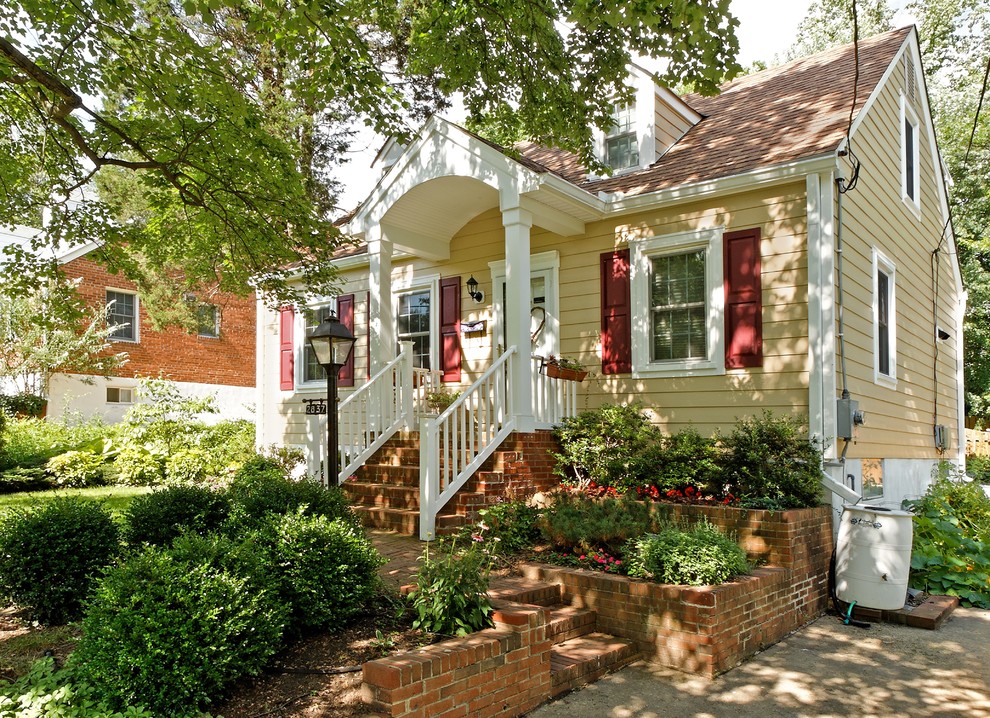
(315, 407)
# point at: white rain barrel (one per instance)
(873, 557)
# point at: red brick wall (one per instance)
(175, 352)
(501, 671)
(708, 630)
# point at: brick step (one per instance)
(569, 622)
(392, 496)
(405, 521)
(521, 590)
(584, 660)
(384, 474)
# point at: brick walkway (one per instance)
(402, 553)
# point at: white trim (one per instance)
(641, 250)
(406, 284)
(129, 389)
(908, 115)
(299, 331)
(136, 339)
(816, 282)
(882, 263)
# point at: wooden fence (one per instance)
(977, 442)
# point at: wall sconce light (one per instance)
(475, 293)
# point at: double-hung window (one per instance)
(414, 321)
(884, 320)
(621, 142)
(676, 291)
(122, 315)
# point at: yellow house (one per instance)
(785, 245)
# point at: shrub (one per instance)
(136, 466)
(32, 442)
(512, 525)
(951, 548)
(159, 517)
(173, 628)
(45, 691)
(771, 464)
(32, 478)
(688, 459)
(451, 594)
(76, 468)
(578, 522)
(260, 488)
(22, 405)
(50, 555)
(699, 556)
(326, 569)
(610, 446)
(188, 465)
(229, 444)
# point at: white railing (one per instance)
(424, 382)
(553, 399)
(455, 444)
(374, 412)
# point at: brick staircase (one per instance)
(579, 654)
(385, 491)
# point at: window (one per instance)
(676, 288)
(872, 479)
(119, 395)
(414, 322)
(678, 310)
(910, 191)
(122, 314)
(208, 321)
(884, 320)
(312, 318)
(621, 142)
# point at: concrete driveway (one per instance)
(825, 670)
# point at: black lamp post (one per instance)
(332, 343)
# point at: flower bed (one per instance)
(709, 629)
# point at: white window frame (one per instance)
(641, 252)
(407, 284)
(547, 265)
(908, 115)
(119, 389)
(882, 263)
(300, 332)
(136, 324)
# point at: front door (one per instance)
(544, 307)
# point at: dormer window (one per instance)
(621, 143)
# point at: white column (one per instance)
(381, 322)
(517, 223)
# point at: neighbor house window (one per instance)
(119, 395)
(678, 308)
(621, 142)
(122, 315)
(414, 322)
(313, 317)
(208, 321)
(884, 320)
(910, 191)
(675, 287)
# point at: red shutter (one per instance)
(616, 313)
(345, 313)
(286, 349)
(743, 299)
(450, 328)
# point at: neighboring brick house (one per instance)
(217, 359)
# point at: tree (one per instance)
(232, 113)
(49, 331)
(830, 23)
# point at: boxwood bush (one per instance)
(577, 521)
(698, 556)
(327, 569)
(173, 628)
(50, 555)
(159, 517)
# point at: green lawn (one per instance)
(116, 497)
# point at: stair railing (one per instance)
(375, 412)
(455, 444)
(553, 399)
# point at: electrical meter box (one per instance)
(847, 417)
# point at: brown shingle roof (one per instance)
(795, 111)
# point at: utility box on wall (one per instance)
(847, 418)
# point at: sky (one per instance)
(766, 28)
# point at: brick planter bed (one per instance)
(506, 670)
(708, 630)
